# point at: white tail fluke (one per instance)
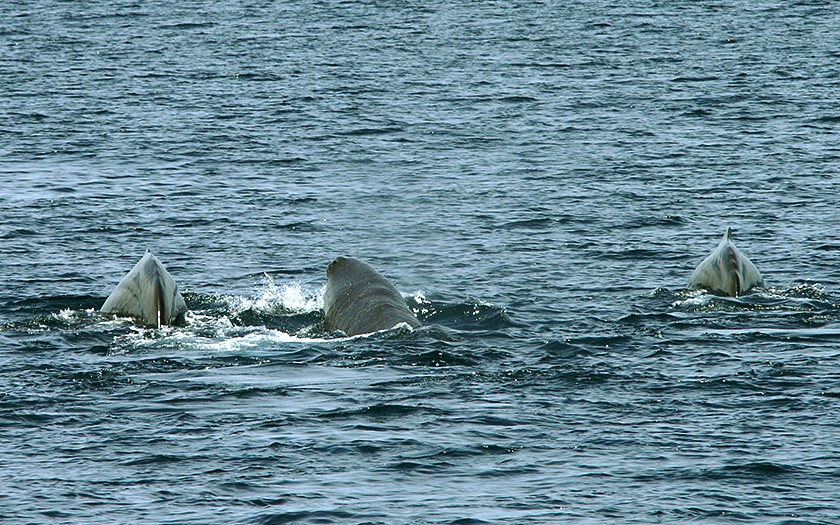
(726, 270)
(148, 294)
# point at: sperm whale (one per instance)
(359, 300)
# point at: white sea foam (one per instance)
(270, 297)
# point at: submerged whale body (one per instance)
(148, 294)
(726, 270)
(359, 300)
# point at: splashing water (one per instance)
(271, 298)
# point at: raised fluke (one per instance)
(148, 294)
(726, 270)
(359, 300)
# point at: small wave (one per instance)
(48, 305)
(66, 322)
(517, 99)
(363, 132)
(829, 119)
(259, 77)
(542, 65)
(689, 79)
(540, 223)
(551, 351)
(803, 335)
(663, 221)
(187, 25)
(753, 470)
(309, 516)
(806, 297)
(302, 226)
(155, 459)
(467, 316)
(417, 467)
(380, 411)
(97, 379)
(632, 254)
(438, 358)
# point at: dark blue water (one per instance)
(538, 179)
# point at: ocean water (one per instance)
(538, 179)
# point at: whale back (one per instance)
(359, 300)
(726, 270)
(148, 294)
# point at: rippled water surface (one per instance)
(538, 179)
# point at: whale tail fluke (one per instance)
(735, 275)
(148, 294)
(731, 264)
(726, 270)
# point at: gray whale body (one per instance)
(726, 270)
(148, 294)
(359, 300)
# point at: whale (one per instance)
(359, 300)
(726, 271)
(148, 294)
